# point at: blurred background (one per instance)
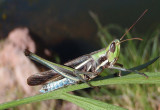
(62, 30)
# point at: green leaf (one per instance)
(154, 78)
(89, 104)
(27, 100)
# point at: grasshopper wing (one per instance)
(85, 62)
(43, 77)
(77, 61)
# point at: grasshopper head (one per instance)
(113, 50)
(111, 55)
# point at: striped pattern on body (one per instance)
(56, 85)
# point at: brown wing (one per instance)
(43, 77)
(77, 61)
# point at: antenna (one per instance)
(136, 38)
(134, 24)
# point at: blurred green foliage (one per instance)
(133, 53)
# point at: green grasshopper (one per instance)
(81, 69)
(70, 75)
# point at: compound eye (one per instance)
(112, 47)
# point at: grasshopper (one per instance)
(60, 75)
(81, 69)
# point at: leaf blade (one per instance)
(89, 104)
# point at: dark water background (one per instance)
(66, 26)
